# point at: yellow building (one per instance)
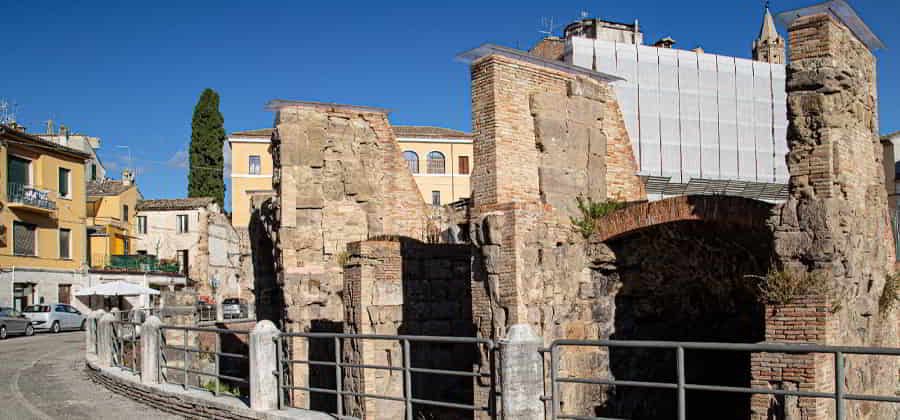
(42, 219)
(111, 205)
(251, 171)
(440, 159)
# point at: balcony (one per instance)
(26, 197)
(138, 264)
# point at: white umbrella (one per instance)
(117, 288)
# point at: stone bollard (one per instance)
(90, 336)
(522, 374)
(150, 332)
(220, 312)
(105, 340)
(263, 365)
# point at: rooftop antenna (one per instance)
(584, 14)
(7, 112)
(547, 27)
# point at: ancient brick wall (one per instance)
(409, 288)
(543, 137)
(836, 221)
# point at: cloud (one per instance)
(178, 160)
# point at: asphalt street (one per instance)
(42, 377)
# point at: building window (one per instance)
(183, 265)
(142, 224)
(125, 213)
(435, 198)
(436, 163)
(464, 165)
(65, 244)
(182, 223)
(18, 170)
(24, 239)
(412, 161)
(255, 165)
(64, 176)
(93, 172)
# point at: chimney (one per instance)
(127, 177)
(666, 42)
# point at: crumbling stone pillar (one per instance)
(374, 293)
(835, 223)
(263, 365)
(522, 374)
(105, 340)
(150, 351)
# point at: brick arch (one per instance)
(735, 211)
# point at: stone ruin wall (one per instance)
(836, 221)
(542, 137)
(405, 287)
(340, 178)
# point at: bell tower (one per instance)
(769, 47)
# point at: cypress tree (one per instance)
(206, 160)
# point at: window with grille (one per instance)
(255, 165)
(64, 176)
(412, 161)
(24, 238)
(464, 165)
(182, 223)
(435, 198)
(436, 163)
(142, 224)
(65, 244)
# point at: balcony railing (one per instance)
(29, 196)
(140, 263)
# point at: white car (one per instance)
(54, 317)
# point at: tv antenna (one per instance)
(547, 26)
(7, 112)
(584, 14)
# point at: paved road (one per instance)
(42, 377)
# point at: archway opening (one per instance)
(687, 281)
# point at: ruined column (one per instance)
(263, 365)
(105, 340)
(522, 374)
(835, 225)
(150, 351)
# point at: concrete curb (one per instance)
(194, 404)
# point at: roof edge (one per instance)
(484, 50)
(279, 104)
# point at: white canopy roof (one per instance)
(117, 288)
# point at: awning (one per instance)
(117, 288)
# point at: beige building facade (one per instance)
(440, 160)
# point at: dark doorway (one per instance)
(687, 281)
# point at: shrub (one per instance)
(781, 287)
(890, 295)
(591, 212)
(224, 388)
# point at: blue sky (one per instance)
(131, 72)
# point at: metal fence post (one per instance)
(407, 380)
(150, 350)
(184, 347)
(679, 361)
(839, 385)
(263, 366)
(521, 375)
(337, 376)
(218, 361)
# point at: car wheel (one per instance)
(55, 327)
(82, 325)
(3, 333)
(29, 331)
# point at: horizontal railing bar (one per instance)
(759, 347)
(740, 390)
(586, 418)
(393, 368)
(423, 338)
(659, 385)
(202, 373)
(193, 350)
(448, 404)
(879, 398)
(233, 355)
(204, 329)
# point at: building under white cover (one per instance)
(699, 123)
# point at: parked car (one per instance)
(54, 317)
(206, 311)
(13, 322)
(234, 308)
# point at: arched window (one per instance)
(436, 163)
(412, 161)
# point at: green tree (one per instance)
(207, 138)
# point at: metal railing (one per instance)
(340, 340)
(138, 315)
(126, 345)
(28, 195)
(840, 395)
(138, 263)
(191, 353)
(230, 312)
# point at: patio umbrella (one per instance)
(117, 288)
